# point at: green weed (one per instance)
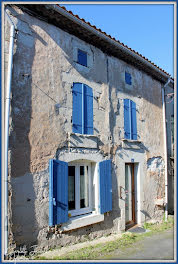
(102, 249)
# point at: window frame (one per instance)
(80, 211)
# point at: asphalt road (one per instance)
(157, 247)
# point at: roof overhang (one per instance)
(65, 20)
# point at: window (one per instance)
(82, 114)
(73, 187)
(130, 121)
(82, 57)
(79, 189)
(128, 78)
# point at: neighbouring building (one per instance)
(86, 131)
(169, 109)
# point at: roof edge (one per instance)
(123, 52)
(81, 22)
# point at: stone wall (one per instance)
(44, 69)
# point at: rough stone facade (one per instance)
(44, 69)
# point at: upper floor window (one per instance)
(130, 120)
(82, 114)
(82, 57)
(128, 78)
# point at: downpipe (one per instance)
(6, 134)
(165, 149)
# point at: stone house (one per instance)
(87, 152)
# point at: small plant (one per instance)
(101, 250)
(40, 258)
(145, 225)
(148, 225)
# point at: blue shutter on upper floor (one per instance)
(77, 108)
(82, 57)
(134, 120)
(88, 110)
(58, 192)
(127, 119)
(105, 186)
(128, 78)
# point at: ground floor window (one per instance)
(79, 188)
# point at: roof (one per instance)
(60, 17)
(113, 39)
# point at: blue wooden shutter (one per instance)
(127, 119)
(58, 192)
(134, 120)
(77, 108)
(105, 186)
(82, 57)
(88, 110)
(128, 78)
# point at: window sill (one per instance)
(82, 140)
(86, 66)
(84, 135)
(131, 144)
(81, 221)
(131, 140)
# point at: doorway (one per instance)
(130, 195)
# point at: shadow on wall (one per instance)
(100, 73)
(25, 228)
(21, 114)
(147, 216)
(116, 211)
(23, 223)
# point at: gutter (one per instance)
(165, 149)
(6, 136)
(106, 38)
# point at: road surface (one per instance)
(156, 247)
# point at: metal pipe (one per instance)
(165, 150)
(168, 81)
(6, 135)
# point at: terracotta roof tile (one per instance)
(98, 29)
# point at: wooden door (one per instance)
(129, 194)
